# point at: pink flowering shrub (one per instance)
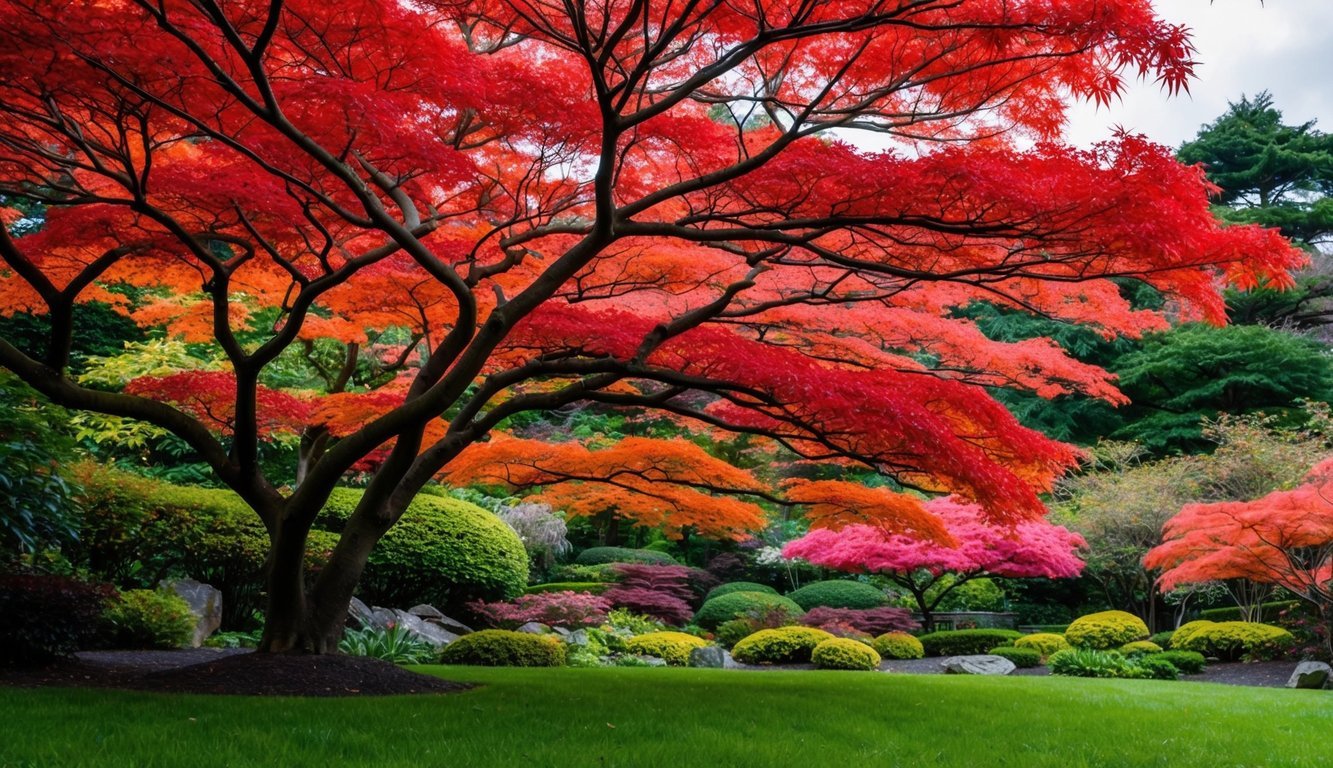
(557, 609)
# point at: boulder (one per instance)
(435, 635)
(712, 657)
(359, 615)
(205, 603)
(424, 611)
(1311, 674)
(652, 661)
(534, 628)
(984, 664)
(577, 637)
(382, 618)
(451, 625)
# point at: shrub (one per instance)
(898, 645)
(1162, 639)
(649, 602)
(443, 551)
(738, 586)
(46, 617)
(557, 609)
(1090, 662)
(727, 565)
(1233, 640)
(731, 632)
(672, 647)
(687, 584)
(396, 644)
(1044, 643)
(842, 653)
(606, 555)
(630, 623)
(147, 618)
(785, 645)
(1140, 647)
(838, 594)
(503, 648)
(1188, 662)
(739, 604)
(963, 642)
(872, 621)
(585, 573)
(588, 587)
(1271, 611)
(1156, 667)
(1108, 629)
(1021, 657)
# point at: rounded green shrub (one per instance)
(844, 653)
(1186, 631)
(838, 594)
(604, 555)
(503, 648)
(589, 587)
(1162, 639)
(740, 604)
(784, 645)
(1044, 643)
(1140, 647)
(1108, 629)
(728, 633)
(1156, 667)
(965, 642)
(1235, 640)
(738, 586)
(442, 551)
(898, 645)
(1188, 662)
(1022, 658)
(672, 647)
(147, 618)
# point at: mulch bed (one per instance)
(232, 673)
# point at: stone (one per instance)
(424, 611)
(534, 628)
(984, 664)
(1311, 674)
(577, 637)
(359, 615)
(382, 618)
(205, 603)
(712, 657)
(437, 636)
(564, 633)
(451, 625)
(652, 661)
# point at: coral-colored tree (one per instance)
(507, 206)
(1284, 539)
(929, 570)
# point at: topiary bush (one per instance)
(738, 586)
(1108, 629)
(442, 551)
(672, 647)
(738, 604)
(147, 618)
(46, 617)
(503, 648)
(842, 653)
(965, 642)
(1236, 640)
(1140, 647)
(1188, 662)
(784, 645)
(1044, 643)
(898, 645)
(838, 594)
(606, 555)
(1023, 658)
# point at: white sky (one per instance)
(1282, 46)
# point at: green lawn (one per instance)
(678, 717)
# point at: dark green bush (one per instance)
(738, 604)
(784, 645)
(1157, 667)
(965, 642)
(1022, 658)
(443, 551)
(738, 586)
(147, 618)
(604, 555)
(46, 617)
(591, 587)
(1269, 612)
(1090, 662)
(844, 653)
(728, 633)
(838, 594)
(502, 648)
(1162, 639)
(1188, 662)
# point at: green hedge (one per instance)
(740, 604)
(838, 594)
(604, 555)
(966, 642)
(1268, 611)
(738, 586)
(503, 648)
(1023, 658)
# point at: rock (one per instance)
(1311, 674)
(712, 657)
(534, 628)
(577, 637)
(977, 665)
(451, 625)
(359, 615)
(382, 618)
(564, 633)
(424, 611)
(435, 635)
(652, 661)
(205, 603)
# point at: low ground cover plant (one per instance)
(394, 644)
(1092, 662)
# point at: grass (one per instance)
(681, 717)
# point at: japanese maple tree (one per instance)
(930, 569)
(488, 207)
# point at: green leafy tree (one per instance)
(36, 502)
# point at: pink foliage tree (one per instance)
(980, 549)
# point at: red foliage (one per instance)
(663, 606)
(679, 581)
(872, 621)
(556, 609)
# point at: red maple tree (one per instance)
(629, 203)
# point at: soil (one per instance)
(232, 672)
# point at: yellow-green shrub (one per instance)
(672, 647)
(898, 645)
(1108, 629)
(1186, 631)
(503, 648)
(147, 618)
(1140, 647)
(784, 645)
(1044, 643)
(1233, 640)
(844, 653)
